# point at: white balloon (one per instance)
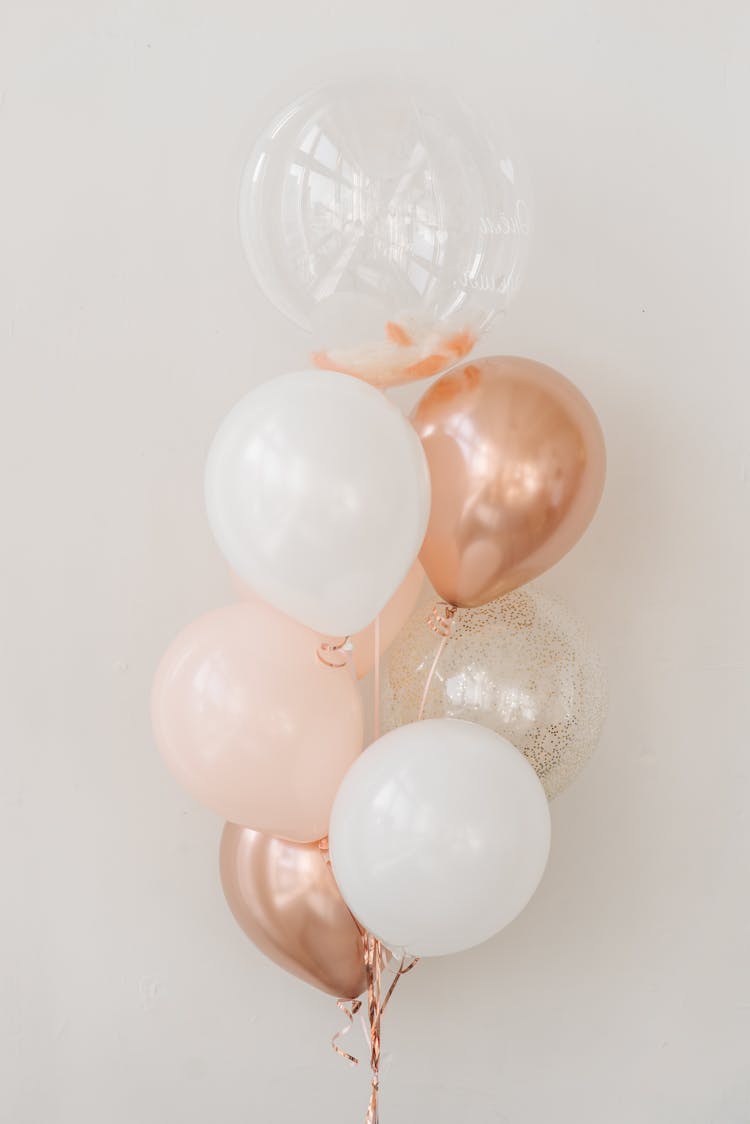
(318, 494)
(439, 836)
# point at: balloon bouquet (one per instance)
(390, 222)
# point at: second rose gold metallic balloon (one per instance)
(287, 902)
(517, 461)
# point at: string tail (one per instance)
(374, 958)
(374, 964)
(350, 1008)
(376, 1006)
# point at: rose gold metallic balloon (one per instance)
(286, 900)
(517, 461)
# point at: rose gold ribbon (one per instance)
(376, 1007)
(373, 951)
(406, 965)
(373, 963)
(349, 1007)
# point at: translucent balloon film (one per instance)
(390, 220)
(522, 665)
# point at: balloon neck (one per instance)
(441, 617)
(335, 653)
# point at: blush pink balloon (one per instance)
(392, 619)
(252, 724)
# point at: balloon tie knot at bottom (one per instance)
(335, 653)
(441, 617)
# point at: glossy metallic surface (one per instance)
(284, 897)
(517, 462)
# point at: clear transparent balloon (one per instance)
(388, 218)
(523, 665)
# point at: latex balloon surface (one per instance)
(390, 219)
(285, 898)
(318, 495)
(517, 463)
(439, 836)
(252, 724)
(392, 618)
(523, 665)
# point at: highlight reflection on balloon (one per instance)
(522, 665)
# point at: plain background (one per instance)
(128, 325)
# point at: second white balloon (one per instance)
(439, 836)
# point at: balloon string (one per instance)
(405, 966)
(440, 621)
(349, 1007)
(376, 1007)
(373, 948)
(373, 963)
(376, 681)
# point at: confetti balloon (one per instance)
(523, 666)
(390, 220)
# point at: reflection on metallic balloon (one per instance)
(517, 463)
(285, 898)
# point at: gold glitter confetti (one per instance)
(522, 665)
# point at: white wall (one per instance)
(128, 324)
